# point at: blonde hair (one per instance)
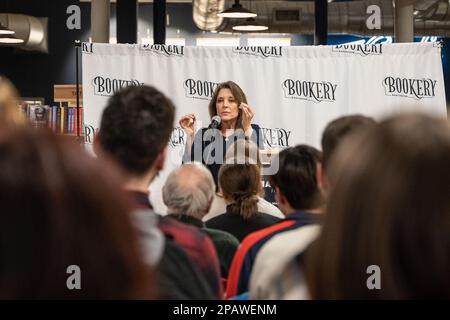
(10, 114)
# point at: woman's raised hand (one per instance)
(187, 122)
(247, 116)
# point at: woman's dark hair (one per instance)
(238, 94)
(389, 208)
(60, 208)
(296, 176)
(241, 183)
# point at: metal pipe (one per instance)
(100, 15)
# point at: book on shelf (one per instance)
(70, 119)
(39, 115)
(65, 119)
(60, 117)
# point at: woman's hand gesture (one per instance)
(247, 116)
(187, 122)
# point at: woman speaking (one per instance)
(231, 119)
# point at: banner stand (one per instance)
(79, 124)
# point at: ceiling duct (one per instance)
(31, 29)
(432, 17)
(204, 13)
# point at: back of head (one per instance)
(189, 189)
(136, 126)
(62, 208)
(337, 130)
(390, 208)
(241, 185)
(296, 177)
(9, 101)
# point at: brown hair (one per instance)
(390, 208)
(238, 94)
(337, 130)
(9, 104)
(60, 207)
(241, 183)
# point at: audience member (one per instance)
(385, 234)
(63, 215)
(333, 135)
(188, 193)
(134, 131)
(299, 198)
(283, 278)
(238, 150)
(240, 184)
(10, 114)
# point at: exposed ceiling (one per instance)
(432, 17)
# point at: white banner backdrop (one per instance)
(295, 91)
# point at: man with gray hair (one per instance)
(188, 194)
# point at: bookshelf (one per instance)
(64, 118)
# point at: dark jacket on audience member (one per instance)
(224, 242)
(178, 278)
(198, 246)
(233, 223)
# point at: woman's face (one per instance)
(226, 105)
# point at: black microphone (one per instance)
(215, 122)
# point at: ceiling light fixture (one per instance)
(10, 39)
(250, 25)
(4, 30)
(236, 11)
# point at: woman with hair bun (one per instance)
(240, 185)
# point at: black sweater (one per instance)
(233, 223)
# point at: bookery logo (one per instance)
(198, 89)
(361, 49)
(87, 47)
(177, 138)
(276, 137)
(410, 88)
(166, 50)
(309, 90)
(89, 133)
(264, 52)
(107, 86)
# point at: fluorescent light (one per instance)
(236, 11)
(10, 39)
(262, 42)
(218, 42)
(4, 30)
(250, 25)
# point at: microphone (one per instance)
(215, 122)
